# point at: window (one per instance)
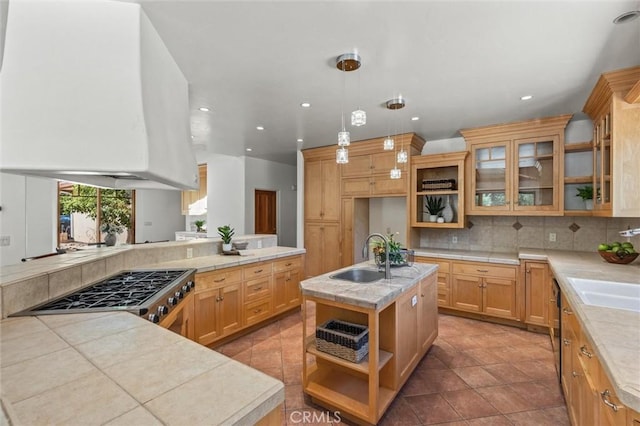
(85, 212)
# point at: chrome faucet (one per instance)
(630, 232)
(387, 263)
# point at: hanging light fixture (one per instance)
(345, 63)
(392, 104)
(358, 117)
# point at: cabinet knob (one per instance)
(585, 352)
(566, 342)
(566, 311)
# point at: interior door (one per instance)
(265, 217)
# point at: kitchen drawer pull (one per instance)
(574, 374)
(220, 280)
(482, 270)
(257, 311)
(552, 300)
(566, 342)
(585, 352)
(257, 271)
(257, 288)
(566, 311)
(605, 398)
(288, 264)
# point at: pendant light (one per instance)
(393, 104)
(399, 157)
(358, 117)
(345, 63)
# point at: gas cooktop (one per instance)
(138, 291)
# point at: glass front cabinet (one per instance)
(516, 168)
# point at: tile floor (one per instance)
(475, 373)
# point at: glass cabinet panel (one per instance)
(490, 176)
(536, 171)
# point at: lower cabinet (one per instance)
(230, 299)
(444, 279)
(322, 242)
(485, 289)
(181, 320)
(427, 312)
(537, 287)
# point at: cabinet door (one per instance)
(188, 324)
(537, 285)
(353, 187)
(230, 308)
(257, 289)
(490, 177)
(466, 293)
(358, 165)
(331, 247)
(536, 175)
(427, 312)
(206, 319)
(407, 311)
(330, 190)
(384, 185)
(499, 297)
(292, 288)
(279, 291)
(313, 244)
(313, 190)
(383, 162)
(347, 232)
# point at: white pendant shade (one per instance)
(342, 155)
(388, 144)
(358, 118)
(396, 173)
(402, 156)
(344, 138)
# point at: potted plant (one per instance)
(586, 193)
(226, 232)
(395, 255)
(199, 224)
(435, 206)
(111, 229)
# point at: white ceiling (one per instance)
(458, 64)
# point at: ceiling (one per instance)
(458, 64)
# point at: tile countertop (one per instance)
(374, 295)
(615, 333)
(119, 369)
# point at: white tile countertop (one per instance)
(120, 369)
(469, 255)
(373, 295)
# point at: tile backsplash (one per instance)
(510, 233)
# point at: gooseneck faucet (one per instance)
(630, 232)
(387, 263)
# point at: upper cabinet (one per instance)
(322, 189)
(614, 108)
(439, 176)
(516, 168)
(195, 202)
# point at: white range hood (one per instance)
(89, 93)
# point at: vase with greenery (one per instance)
(586, 193)
(199, 224)
(395, 251)
(226, 232)
(435, 206)
(111, 229)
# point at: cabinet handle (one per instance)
(566, 342)
(421, 295)
(287, 280)
(605, 398)
(221, 298)
(217, 298)
(552, 300)
(220, 280)
(528, 271)
(257, 289)
(574, 374)
(480, 285)
(585, 352)
(257, 311)
(482, 270)
(258, 271)
(566, 311)
(289, 264)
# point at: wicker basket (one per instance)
(614, 258)
(403, 257)
(343, 339)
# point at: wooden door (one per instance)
(230, 308)
(206, 322)
(265, 212)
(358, 165)
(384, 185)
(407, 314)
(466, 293)
(313, 245)
(279, 291)
(490, 177)
(330, 190)
(537, 285)
(347, 231)
(427, 312)
(331, 245)
(499, 297)
(292, 288)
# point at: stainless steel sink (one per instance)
(358, 275)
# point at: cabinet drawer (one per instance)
(286, 264)
(443, 265)
(356, 186)
(387, 186)
(255, 271)
(484, 269)
(257, 311)
(257, 289)
(209, 280)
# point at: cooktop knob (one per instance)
(191, 284)
(162, 310)
(186, 288)
(179, 295)
(154, 318)
(172, 301)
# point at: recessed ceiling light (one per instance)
(305, 105)
(415, 118)
(526, 97)
(249, 149)
(204, 109)
(299, 140)
(260, 127)
(627, 17)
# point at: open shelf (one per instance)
(363, 366)
(578, 147)
(443, 192)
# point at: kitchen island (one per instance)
(402, 318)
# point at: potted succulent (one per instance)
(199, 224)
(111, 229)
(226, 232)
(586, 193)
(435, 206)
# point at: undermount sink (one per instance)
(608, 294)
(358, 275)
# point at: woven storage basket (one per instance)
(343, 339)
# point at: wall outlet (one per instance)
(552, 236)
(454, 239)
(189, 253)
(259, 243)
(5, 241)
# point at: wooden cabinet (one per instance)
(286, 284)
(485, 288)
(616, 158)
(516, 168)
(407, 353)
(439, 176)
(427, 313)
(443, 278)
(322, 241)
(537, 291)
(257, 292)
(578, 160)
(181, 320)
(322, 190)
(191, 197)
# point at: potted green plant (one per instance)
(435, 206)
(226, 232)
(199, 224)
(395, 255)
(586, 193)
(111, 229)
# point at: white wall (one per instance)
(272, 176)
(225, 192)
(28, 217)
(158, 215)
(444, 145)
(389, 215)
(300, 200)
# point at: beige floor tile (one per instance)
(35, 345)
(105, 402)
